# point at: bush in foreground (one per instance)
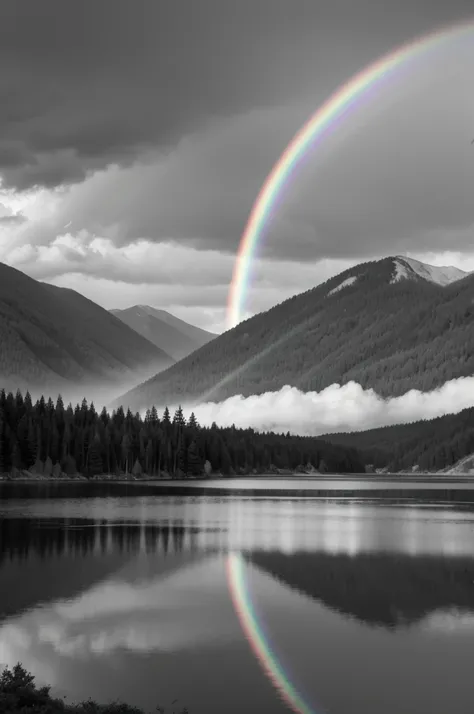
(20, 695)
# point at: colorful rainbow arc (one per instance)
(256, 637)
(337, 106)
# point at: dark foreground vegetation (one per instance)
(431, 445)
(53, 440)
(20, 695)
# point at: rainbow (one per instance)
(256, 637)
(316, 128)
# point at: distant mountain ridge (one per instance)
(55, 339)
(176, 337)
(409, 268)
(392, 325)
(445, 443)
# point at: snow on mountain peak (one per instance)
(441, 275)
(344, 284)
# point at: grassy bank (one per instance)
(20, 695)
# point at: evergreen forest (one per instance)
(430, 445)
(54, 440)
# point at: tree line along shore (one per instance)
(50, 440)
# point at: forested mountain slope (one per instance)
(382, 324)
(431, 445)
(176, 337)
(53, 337)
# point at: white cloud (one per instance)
(192, 284)
(162, 614)
(139, 262)
(336, 408)
(450, 621)
(464, 261)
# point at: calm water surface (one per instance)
(239, 604)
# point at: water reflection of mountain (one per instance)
(379, 589)
(383, 566)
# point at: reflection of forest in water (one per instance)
(62, 557)
(75, 536)
(43, 560)
(379, 589)
(394, 489)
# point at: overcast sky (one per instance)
(136, 134)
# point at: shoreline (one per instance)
(433, 477)
(436, 488)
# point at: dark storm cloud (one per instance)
(386, 182)
(86, 83)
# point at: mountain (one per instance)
(411, 268)
(463, 466)
(55, 339)
(385, 589)
(393, 325)
(429, 445)
(176, 337)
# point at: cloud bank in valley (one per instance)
(335, 409)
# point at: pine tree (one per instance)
(28, 403)
(224, 458)
(178, 419)
(192, 422)
(22, 437)
(126, 452)
(35, 443)
(181, 456)
(195, 462)
(2, 440)
(54, 447)
(104, 417)
(48, 467)
(68, 465)
(19, 403)
(16, 456)
(149, 465)
(94, 457)
(137, 468)
(107, 440)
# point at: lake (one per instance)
(233, 603)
